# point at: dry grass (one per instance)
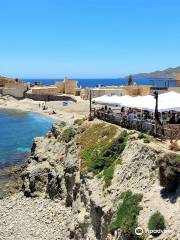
(97, 136)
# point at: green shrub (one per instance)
(108, 175)
(178, 158)
(156, 224)
(78, 121)
(68, 134)
(146, 140)
(103, 160)
(124, 134)
(104, 133)
(141, 135)
(101, 150)
(127, 214)
(168, 178)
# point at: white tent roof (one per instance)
(166, 101)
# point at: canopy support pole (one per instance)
(156, 112)
(90, 105)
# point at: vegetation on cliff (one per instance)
(145, 137)
(68, 134)
(169, 171)
(156, 223)
(127, 214)
(101, 152)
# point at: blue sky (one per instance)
(88, 38)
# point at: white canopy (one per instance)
(105, 100)
(166, 101)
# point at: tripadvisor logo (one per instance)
(139, 231)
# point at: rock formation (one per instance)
(55, 171)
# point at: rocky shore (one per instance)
(33, 218)
(63, 198)
(11, 181)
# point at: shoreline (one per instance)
(43, 114)
(63, 113)
(11, 181)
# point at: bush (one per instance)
(68, 134)
(124, 134)
(145, 137)
(156, 224)
(101, 150)
(104, 160)
(78, 121)
(127, 214)
(178, 158)
(146, 140)
(108, 175)
(104, 133)
(141, 136)
(168, 178)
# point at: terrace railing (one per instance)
(168, 131)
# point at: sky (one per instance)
(88, 38)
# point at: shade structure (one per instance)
(166, 102)
(102, 100)
(169, 101)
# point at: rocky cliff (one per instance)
(92, 169)
(56, 170)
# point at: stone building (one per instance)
(67, 86)
(132, 90)
(5, 80)
(13, 87)
(135, 90)
(45, 90)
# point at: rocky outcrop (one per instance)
(52, 167)
(169, 172)
(54, 171)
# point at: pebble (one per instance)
(30, 219)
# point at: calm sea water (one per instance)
(17, 130)
(105, 82)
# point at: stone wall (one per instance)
(45, 90)
(67, 86)
(17, 92)
(37, 97)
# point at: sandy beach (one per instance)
(66, 113)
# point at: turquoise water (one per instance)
(17, 130)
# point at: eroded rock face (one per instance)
(54, 171)
(169, 172)
(51, 171)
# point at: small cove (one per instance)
(17, 130)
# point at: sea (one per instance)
(85, 83)
(17, 130)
